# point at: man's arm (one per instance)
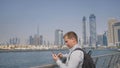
(75, 58)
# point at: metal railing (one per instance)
(101, 61)
(107, 60)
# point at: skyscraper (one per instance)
(31, 40)
(102, 39)
(93, 34)
(36, 39)
(84, 31)
(41, 40)
(105, 39)
(58, 37)
(113, 32)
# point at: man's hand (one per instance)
(55, 57)
(60, 55)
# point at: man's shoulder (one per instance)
(78, 51)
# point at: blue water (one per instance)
(36, 58)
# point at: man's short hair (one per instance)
(70, 35)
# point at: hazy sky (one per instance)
(20, 18)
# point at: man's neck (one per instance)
(73, 45)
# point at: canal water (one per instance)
(35, 58)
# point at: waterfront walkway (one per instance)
(101, 61)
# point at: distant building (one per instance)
(58, 37)
(44, 43)
(84, 36)
(102, 39)
(37, 39)
(105, 39)
(48, 43)
(14, 41)
(41, 40)
(93, 33)
(31, 40)
(113, 32)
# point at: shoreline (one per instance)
(35, 50)
(27, 50)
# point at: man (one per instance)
(74, 58)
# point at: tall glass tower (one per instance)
(58, 37)
(93, 34)
(84, 31)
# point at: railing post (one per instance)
(118, 62)
(110, 61)
(115, 60)
(104, 62)
(96, 60)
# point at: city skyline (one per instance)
(20, 18)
